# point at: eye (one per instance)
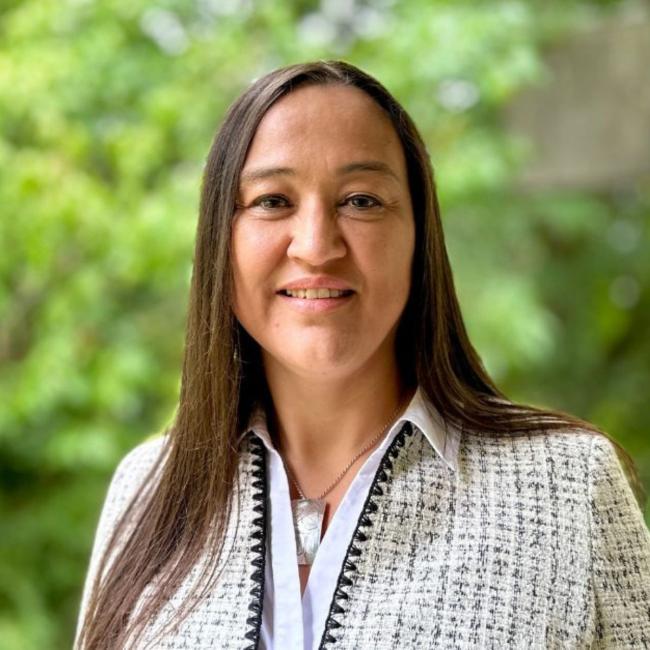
(271, 202)
(363, 201)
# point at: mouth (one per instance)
(315, 294)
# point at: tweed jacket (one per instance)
(535, 542)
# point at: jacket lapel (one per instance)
(362, 533)
(257, 541)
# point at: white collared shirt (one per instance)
(292, 623)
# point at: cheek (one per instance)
(255, 244)
(405, 256)
(247, 255)
(243, 270)
(256, 253)
(391, 260)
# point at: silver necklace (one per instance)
(308, 513)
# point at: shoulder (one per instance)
(567, 460)
(128, 479)
(134, 472)
(560, 445)
(139, 460)
(134, 468)
(610, 489)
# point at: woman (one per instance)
(341, 471)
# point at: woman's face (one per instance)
(324, 203)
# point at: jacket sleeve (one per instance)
(125, 484)
(620, 542)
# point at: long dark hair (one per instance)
(222, 374)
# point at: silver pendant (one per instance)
(307, 523)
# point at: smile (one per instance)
(315, 294)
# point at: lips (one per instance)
(316, 304)
(316, 282)
(316, 294)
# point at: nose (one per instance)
(316, 238)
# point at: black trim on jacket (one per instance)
(258, 538)
(348, 569)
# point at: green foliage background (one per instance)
(107, 110)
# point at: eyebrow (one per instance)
(376, 166)
(265, 172)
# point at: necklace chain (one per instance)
(339, 478)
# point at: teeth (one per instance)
(311, 294)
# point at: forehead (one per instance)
(326, 124)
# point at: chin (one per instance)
(320, 363)
(321, 355)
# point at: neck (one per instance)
(319, 423)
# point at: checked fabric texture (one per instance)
(536, 542)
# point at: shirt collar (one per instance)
(443, 436)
